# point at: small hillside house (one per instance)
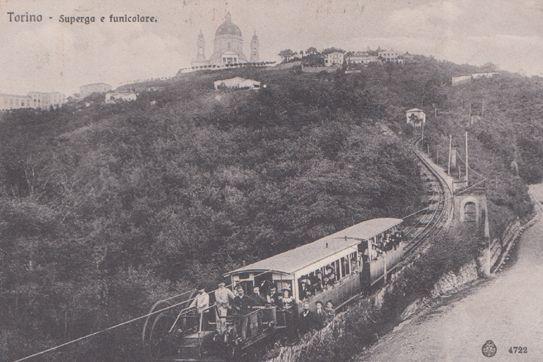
(118, 97)
(236, 83)
(415, 117)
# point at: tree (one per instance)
(332, 50)
(311, 51)
(286, 54)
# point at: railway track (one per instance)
(433, 220)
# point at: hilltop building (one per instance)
(236, 83)
(362, 58)
(390, 56)
(227, 47)
(462, 79)
(120, 97)
(14, 101)
(334, 59)
(46, 100)
(35, 100)
(88, 89)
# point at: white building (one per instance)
(35, 100)
(483, 75)
(415, 117)
(46, 100)
(88, 89)
(227, 47)
(236, 83)
(14, 101)
(119, 97)
(334, 59)
(463, 79)
(390, 56)
(362, 58)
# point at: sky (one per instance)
(55, 56)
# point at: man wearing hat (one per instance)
(223, 296)
(201, 303)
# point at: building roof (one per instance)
(236, 79)
(305, 255)
(13, 95)
(414, 110)
(228, 27)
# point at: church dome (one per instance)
(228, 27)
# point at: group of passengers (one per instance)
(322, 315)
(390, 241)
(313, 283)
(237, 302)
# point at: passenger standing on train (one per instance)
(201, 303)
(291, 312)
(273, 296)
(330, 312)
(241, 305)
(258, 300)
(287, 301)
(306, 320)
(242, 302)
(223, 296)
(320, 315)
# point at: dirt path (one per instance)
(507, 309)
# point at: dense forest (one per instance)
(107, 208)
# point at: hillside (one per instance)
(107, 208)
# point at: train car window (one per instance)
(344, 267)
(244, 275)
(354, 262)
(336, 264)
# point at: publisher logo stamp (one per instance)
(489, 349)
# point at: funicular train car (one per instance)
(351, 259)
(332, 269)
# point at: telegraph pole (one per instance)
(467, 160)
(450, 155)
(385, 267)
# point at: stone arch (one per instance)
(469, 210)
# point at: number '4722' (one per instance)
(518, 349)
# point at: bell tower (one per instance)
(254, 49)
(201, 54)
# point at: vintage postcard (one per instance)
(271, 180)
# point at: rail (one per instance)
(442, 215)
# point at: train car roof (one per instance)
(295, 259)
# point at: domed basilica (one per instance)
(227, 47)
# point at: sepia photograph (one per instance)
(271, 180)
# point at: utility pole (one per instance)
(467, 160)
(450, 155)
(385, 267)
